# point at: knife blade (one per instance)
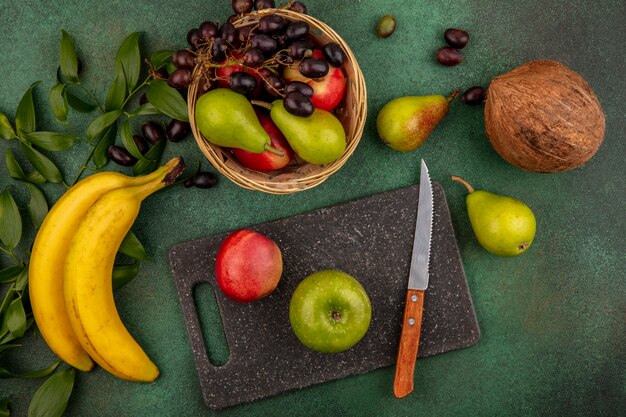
(418, 283)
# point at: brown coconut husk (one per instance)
(544, 117)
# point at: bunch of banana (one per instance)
(70, 275)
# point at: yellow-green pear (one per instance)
(404, 123)
(503, 225)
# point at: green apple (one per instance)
(330, 311)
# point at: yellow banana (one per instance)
(48, 259)
(88, 279)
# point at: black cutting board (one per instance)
(370, 239)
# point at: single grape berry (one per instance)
(229, 33)
(152, 131)
(176, 130)
(141, 144)
(298, 7)
(242, 6)
(264, 72)
(274, 86)
(208, 30)
(333, 54)
(253, 57)
(449, 56)
(313, 68)
(264, 4)
(456, 38)
(271, 24)
(218, 50)
(204, 180)
(242, 82)
(297, 49)
(386, 26)
(244, 33)
(183, 59)
(181, 78)
(193, 38)
(474, 95)
(297, 30)
(121, 156)
(299, 87)
(265, 43)
(298, 104)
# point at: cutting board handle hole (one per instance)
(211, 324)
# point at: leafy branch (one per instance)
(114, 116)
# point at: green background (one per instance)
(552, 320)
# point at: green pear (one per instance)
(503, 225)
(227, 119)
(318, 139)
(405, 123)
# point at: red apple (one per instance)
(267, 161)
(328, 91)
(248, 266)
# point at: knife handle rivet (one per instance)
(411, 321)
(414, 298)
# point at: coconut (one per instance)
(543, 117)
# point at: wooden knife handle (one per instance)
(409, 343)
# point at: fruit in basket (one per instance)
(406, 122)
(330, 311)
(267, 161)
(242, 6)
(226, 118)
(317, 139)
(242, 83)
(328, 90)
(248, 266)
(503, 225)
(334, 54)
(313, 67)
(297, 30)
(298, 104)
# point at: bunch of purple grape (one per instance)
(250, 59)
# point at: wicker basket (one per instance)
(298, 175)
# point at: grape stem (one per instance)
(263, 104)
(465, 183)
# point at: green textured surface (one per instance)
(552, 320)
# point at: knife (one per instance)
(418, 283)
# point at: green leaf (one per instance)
(10, 221)
(51, 398)
(42, 164)
(160, 57)
(100, 155)
(25, 113)
(10, 274)
(58, 102)
(123, 274)
(69, 62)
(22, 280)
(16, 318)
(6, 130)
(129, 60)
(98, 125)
(4, 348)
(151, 161)
(37, 206)
(4, 408)
(40, 373)
(78, 103)
(132, 247)
(128, 142)
(51, 141)
(13, 167)
(145, 110)
(167, 100)
(35, 177)
(117, 93)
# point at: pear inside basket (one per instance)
(298, 175)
